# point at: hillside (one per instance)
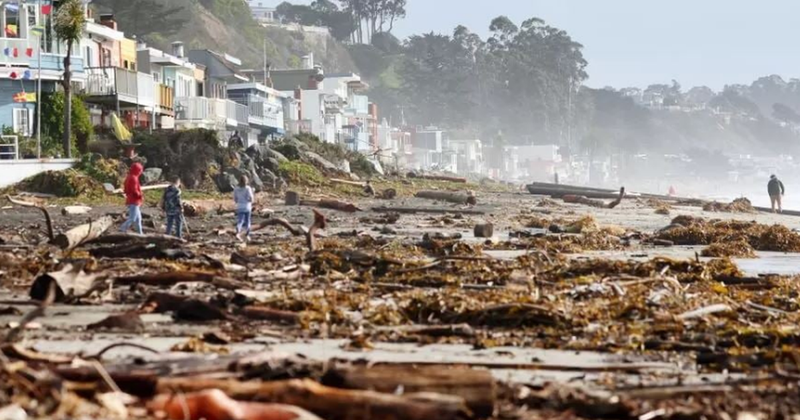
(224, 26)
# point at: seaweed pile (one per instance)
(686, 230)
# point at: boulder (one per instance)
(319, 162)
(151, 175)
(268, 177)
(274, 154)
(272, 164)
(256, 182)
(226, 182)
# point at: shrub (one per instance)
(299, 173)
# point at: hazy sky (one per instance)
(639, 42)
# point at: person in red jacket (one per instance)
(133, 198)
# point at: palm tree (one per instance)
(69, 23)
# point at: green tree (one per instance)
(53, 121)
(69, 24)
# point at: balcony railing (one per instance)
(211, 112)
(112, 81)
(196, 109)
(146, 88)
(165, 97)
(237, 113)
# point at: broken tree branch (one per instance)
(47, 218)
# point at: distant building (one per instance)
(263, 11)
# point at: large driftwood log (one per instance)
(117, 238)
(175, 277)
(83, 233)
(450, 197)
(439, 178)
(476, 387)
(412, 210)
(346, 182)
(328, 403)
(331, 204)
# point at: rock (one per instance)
(274, 154)
(152, 175)
(354, 177)
(272, 164)
(227, 181)
(256, 182)
(484, 230)
(319, 161)
(268, 177)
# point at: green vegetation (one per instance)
(105, 171)
(53, 123)
(299, 173)
(68, 183)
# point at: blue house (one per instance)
(266, 109)
(28, 52)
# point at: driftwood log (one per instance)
(83, 233)
(156, 239)
(346, 182)
(591, 202)
(331, 204)
(175, 277)
(439, 178)
(476, 387)
(326, 402)
(450, 197)
(412, 210)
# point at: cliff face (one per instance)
(224, 26)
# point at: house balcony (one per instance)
(262, 112)
(111, 86)
(210, 113)
(164, 99)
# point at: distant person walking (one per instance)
(134, 198)
(243, 197)
(776, 192)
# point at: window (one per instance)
(32, 21)
(11, 20)
(88, 57)
(157, 77)
(23, 123)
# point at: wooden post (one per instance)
(292, 198)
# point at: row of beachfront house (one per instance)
(178, 89)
